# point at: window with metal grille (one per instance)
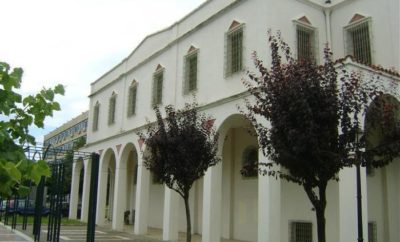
(301, 232)
(132, 99)
(372, 236)
(358, 41)
(96, 112)
(111, 108)
(158, 78)
(234, 50)
(305, 37)
(250, 162)
(190, 72)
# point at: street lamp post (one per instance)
(359, 205)
(358, 160)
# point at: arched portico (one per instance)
(125, 186)
(230, 199)
(106, 186)
(239, 179)
(381, 121)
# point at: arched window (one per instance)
(250, 162)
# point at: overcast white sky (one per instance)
(73, 42)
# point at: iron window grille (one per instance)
(158, 79)
(300, 231)
(132, 99)
(234, 50)
(191, 64)
(96, 112)
(250, 162)
(111, 109)
(358, 40)
(306, 42)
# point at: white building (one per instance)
(205, 54)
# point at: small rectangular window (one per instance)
(158, 79)
(301, 232)
(372, 236)
(358, 41)
(190, 72)
(234, 50)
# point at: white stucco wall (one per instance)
(205, 29)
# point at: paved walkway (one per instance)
(9, 235)
(78, 233)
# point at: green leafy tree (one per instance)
(17, 115)
(180, 150)
(315, 113)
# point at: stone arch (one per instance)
(125, 189)
(380, 126)
(106, 186)
(239, 193)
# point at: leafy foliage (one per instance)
(180, 149)
(315, 114)
(18, 114)
(382, 131)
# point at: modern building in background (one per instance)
(207, 53)
(64, 136)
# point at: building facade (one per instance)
(68, 133)
(206, 54)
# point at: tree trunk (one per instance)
(320, 212)
(188, 222)
(321, 224)
(319, 204)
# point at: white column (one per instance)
(212, 204)
(142, 198)
(348, 205)
(86, 191)
(119, 199)
(73, 203)
(269, 206)
(171, 214)
(101, 197)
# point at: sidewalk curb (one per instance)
(17, 232)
